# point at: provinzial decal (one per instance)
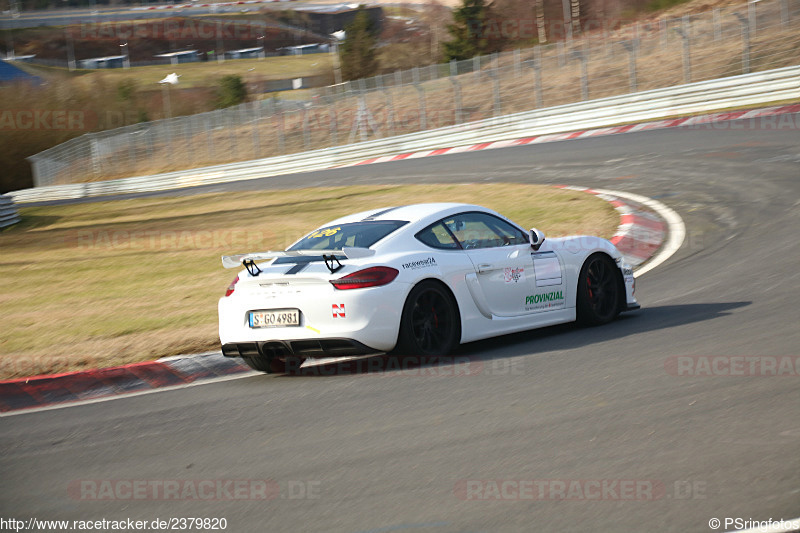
(545, 300)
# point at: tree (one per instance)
(358, 54)
(232, 91)
(469, 31)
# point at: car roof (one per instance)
(412, 213)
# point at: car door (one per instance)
(548, 280)
(501, 256)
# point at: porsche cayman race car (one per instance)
(414, 280)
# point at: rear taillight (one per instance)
(369, 277)
(232, 286)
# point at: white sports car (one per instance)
(414, 280)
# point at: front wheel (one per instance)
(598, 291)
(430, 324)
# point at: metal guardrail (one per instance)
(8, 212)
(744, 90)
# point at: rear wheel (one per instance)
(270, 365)
(598, 291)
(430, 324)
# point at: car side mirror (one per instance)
(536, 238)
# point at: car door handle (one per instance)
(485, 267)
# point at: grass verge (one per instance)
(108, 283)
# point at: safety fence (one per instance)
(755, 37)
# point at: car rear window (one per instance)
(353, 235)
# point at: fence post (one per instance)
(306, 129)
(537, 77)
(187, 137)
(209, 136)
(456, 91)
(687, 65)
(745, 41)
(631, 48)
(423, 118)
(281, 129)
(256, 125)
(580, 55)
(230, 126)
(751, 15)
(389, 112)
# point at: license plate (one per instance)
(274, 318)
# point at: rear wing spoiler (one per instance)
(239, 260)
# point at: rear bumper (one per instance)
(297, 348)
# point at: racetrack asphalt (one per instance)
(570, 408)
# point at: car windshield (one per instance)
(353, 235)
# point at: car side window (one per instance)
(437, 236)
(482, 230)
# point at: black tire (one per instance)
(430, 324)
(598, 299)
(270, 365)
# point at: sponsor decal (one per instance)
(422, 263)
(328, 232)
(544, 300)
(513, 275)
(337, 311)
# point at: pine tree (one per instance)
(232, 91)
(358, 49)
(468, 31)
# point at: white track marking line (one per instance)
(677, 229)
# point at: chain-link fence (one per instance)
(662, 53)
